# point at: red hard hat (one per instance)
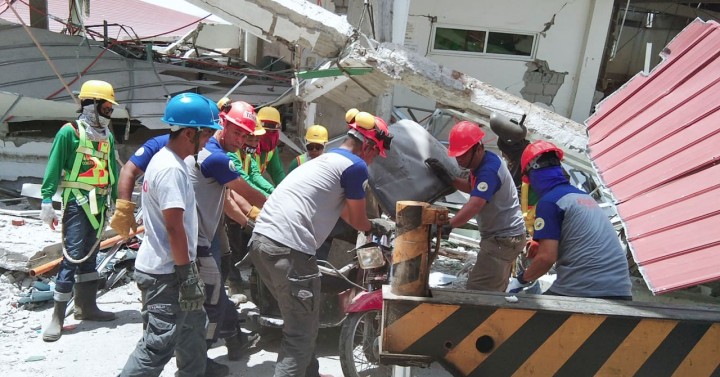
(535, 149)
(240, 114)
(463, 136)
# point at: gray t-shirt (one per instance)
(304, 208)
(166, 185)
(501, 215)
(591, 261)
(213, 170)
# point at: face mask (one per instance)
(249, 150)
(91, 117)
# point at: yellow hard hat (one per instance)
(365, 120)
(350, 115)
(316, 134)
(269, 114)
(225, 101)
(97, 89)
(259, 129)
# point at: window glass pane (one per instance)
(459, 40)
(510, 44)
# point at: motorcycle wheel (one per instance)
(360, 347)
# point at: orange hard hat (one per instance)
(463, 136)
(535, 149)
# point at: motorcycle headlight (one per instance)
(370, 257)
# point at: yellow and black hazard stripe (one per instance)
(475, 340)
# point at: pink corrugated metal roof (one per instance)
(656, 145)
(145, 19)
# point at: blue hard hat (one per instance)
(192, 110)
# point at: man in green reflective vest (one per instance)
(315, 139)
(82, 162)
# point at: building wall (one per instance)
(569, 43)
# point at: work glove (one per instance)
(123, 218)
(382, 227)
(517, 284)
(253, 213)
(531, 249)
(440, 171)
(192, 289)
(445, 229)
(47, 213)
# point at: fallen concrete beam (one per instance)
(329, 35)
(294, 22)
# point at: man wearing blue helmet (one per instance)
(165, 270)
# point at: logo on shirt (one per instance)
(231, 166)
(140, 151)
(482, 186)
(539, 223)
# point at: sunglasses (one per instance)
(314, 147)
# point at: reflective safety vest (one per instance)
(301, 159)
(528, 201)
(95, 181)
(263, 163)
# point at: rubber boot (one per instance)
(85, 304)
(54, 329)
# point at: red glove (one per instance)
(531, 249)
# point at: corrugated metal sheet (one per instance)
(655, 144)
(145, 19)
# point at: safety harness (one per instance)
(95, 180)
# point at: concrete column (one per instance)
(591, 59)
(250, 50)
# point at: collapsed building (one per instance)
(316, 63)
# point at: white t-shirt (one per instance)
(166, 185)
(305, 206)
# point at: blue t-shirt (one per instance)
(144, 154)
(501, 215)
(591, 261)
(306, 205)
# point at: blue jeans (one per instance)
(79, 237)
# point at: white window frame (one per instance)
(487, 31)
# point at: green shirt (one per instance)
(252, 176)
(274, 167)
(62, 158)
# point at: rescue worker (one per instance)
(211, 173)
(267, 155)
(81, 162)
(166, 270)
(297, 219)
(573, 233)
(238, 234)
(315, 139)
(123, 221)
(494, 203)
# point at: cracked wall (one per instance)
(541, 83)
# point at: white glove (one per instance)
(47, 214)
(516, 285)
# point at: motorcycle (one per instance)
(360, 333)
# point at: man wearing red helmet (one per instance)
(297, 219)
(493, 202)
(573, 233)
(211, 173)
